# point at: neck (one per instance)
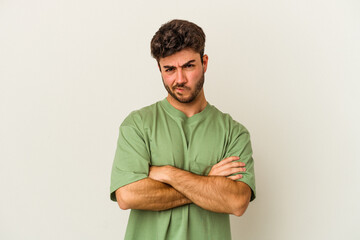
(191, 108)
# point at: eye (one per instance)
(169, 69)
(189, 65)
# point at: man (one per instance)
(181, 165)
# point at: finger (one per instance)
(236, 170)
(229, 165)
(231, 171)
(227, 160)
(222, 168)
(228, 171)
(235, 177)
(236, 164)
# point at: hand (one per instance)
(227, 167)
(159, 173)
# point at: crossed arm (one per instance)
(168, 187)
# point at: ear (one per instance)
(205, 62)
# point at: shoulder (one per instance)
(137, 117)
(228, 121)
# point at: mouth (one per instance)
(180, 89)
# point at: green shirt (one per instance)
(162, 135)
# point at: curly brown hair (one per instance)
(175, 36)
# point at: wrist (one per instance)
(168, 173)
(161, 174)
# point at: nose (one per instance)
(181, 77)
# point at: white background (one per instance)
(71, 71)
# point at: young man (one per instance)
(181, 165)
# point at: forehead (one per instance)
(180, 58)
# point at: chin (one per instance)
(186, 100)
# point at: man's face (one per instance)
(183, 74)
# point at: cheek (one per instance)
(168, 79)
(196, 75)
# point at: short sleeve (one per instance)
(240, 145)
(131, 161)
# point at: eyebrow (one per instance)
(188, 62)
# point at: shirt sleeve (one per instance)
(240, 145)
(131, 161)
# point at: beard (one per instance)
(193, 94)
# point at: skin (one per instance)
(217, 194)
(160, 192)
(166, 186)
(182, 72)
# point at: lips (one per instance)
(181, 88)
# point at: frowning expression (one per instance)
(183, 74)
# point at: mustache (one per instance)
(180, 86)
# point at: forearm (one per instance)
(149, 194)
(217, 194)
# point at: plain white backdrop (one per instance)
(71, 71)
